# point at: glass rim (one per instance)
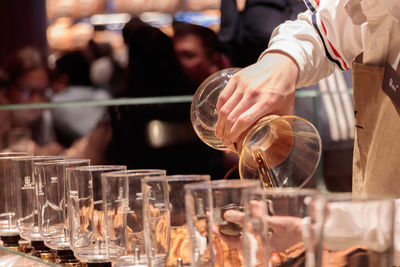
(134, 173)
(97, 168)
(61, 161)
(224, 183)
(284, 191)
(15, 157)
(14, 154)
(187, 177)
(38, 158)
(160, 178)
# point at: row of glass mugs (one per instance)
(104, 218)
(141, 217)
(286, 227)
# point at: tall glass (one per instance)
(8, 202)
(85, 212)
(123, 204)
(347, 231)
(179, 250)
(28, 188)
(156, 219)
(53, 216)
(273, 220)
(281, 151)
(214, 240)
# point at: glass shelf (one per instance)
(12, 258)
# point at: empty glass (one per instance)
(347, 231)
(85, 212)
(123, 204)
(273, 226)
(156, 219)
(282, 151)
(52, 201)
(8, 200)
(27, 188)
(214, 240)
(179, 249)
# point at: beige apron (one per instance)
(376, 166)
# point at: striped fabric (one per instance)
(319, 26)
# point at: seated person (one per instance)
(29, 84)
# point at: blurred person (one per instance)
(72, 83)
(29, 84)
(154, 135)
(106, 71)
(246, 26)
(198, 50)
(153, 67)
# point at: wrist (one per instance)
(284, 59)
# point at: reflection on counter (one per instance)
(10, 258)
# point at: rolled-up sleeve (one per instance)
(319, 40)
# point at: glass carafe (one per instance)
(282, 151)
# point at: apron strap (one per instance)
(376, 33)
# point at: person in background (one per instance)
(150, 136)
(72, 83)
(246, 26)
(153, 67)
(198, 50)
(105, 71)
(29, 83)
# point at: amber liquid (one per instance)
(264, 170)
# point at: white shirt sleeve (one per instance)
(353, 224)
(321, 39)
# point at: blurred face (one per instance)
(32, 87)
(193, 58)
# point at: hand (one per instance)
(236, 217)
(285, 231)
(264, 88)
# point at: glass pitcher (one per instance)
(281, 151)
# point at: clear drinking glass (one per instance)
(85, 212)
(123, 204)
(8, 200)
(214, 241)
(282, 151)
(156, 219)
(179, 249)
(347, 231)
(272, 232)
(28, 187)
(53, 220)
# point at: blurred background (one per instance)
(112, 80)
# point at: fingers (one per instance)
(244, 120)
(227, 115)
(234, 216)
(224, 97)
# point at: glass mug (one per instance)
(282, 151)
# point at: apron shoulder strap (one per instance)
(376, 33)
